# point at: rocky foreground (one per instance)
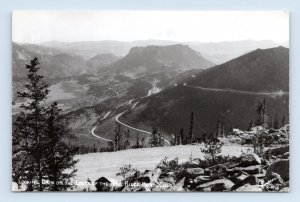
(247, 173)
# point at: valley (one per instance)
(157, 86)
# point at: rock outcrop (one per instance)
(247, 173)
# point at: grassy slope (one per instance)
(107, 164)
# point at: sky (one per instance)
(202, 26)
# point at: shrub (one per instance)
(129, 173)
(259, 141)
(167, 165)
(212, 148)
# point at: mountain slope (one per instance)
(170, 109)
(260, 70)
(101, 60)
(52, 66)
(154, 59)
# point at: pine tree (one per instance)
(217, 128)
(59, 154)
(154, 141)
(265, 119)
(137, 144)
(117, 139)
(204, 136)
(127, 140)
(161, 139)
(191, 131)
(276, 122)
(250, 125)
(259, 117)
(36, 130)
(34, 118)
(180, 137)
(222, 130)
(283, 121)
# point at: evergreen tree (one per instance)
(283, 121)
(161, 139)
(191, 131)
(250, 125)
(137, 144)
(180, 137)
(110, 146)
(127, 140)
(259, 112)
(37, 137)
(218, 133)
(222, 130)
(117, 139)
(204, 136)
(59, 154)
(276, 122)
(261, 116)
(174, 139)
(33, 119)
(154, 140)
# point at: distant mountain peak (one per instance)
(153, 59)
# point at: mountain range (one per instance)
(217, 52)
(87, 75)
(247, 76)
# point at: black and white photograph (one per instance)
(150, 101)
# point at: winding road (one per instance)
(128, 126)
(99, 137)
(150, 92)
(153, 90)
(279, 93)
(94, 128)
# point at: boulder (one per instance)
(193, 163)
(250, 180)
(238, 177)
(190, 173)
(202, 179)
(178, 187)
(276, 178)
(251, 170)
(217, 170)
(150, 176)
(249, 160)
(194, 172)
(249, 188)
(103, 185)
(277, 151)
(216, 185)
(169, 180)
(232, 164)
(280, 167)
(286, 155)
